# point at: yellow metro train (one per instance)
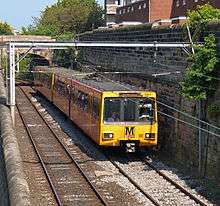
(111, 114)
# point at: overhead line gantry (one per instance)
(13, 46)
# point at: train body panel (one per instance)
(141, 132)
(44, 84)
(108, 117)
(61, 93)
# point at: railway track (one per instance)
(70, 185)
(159, 187)
(167, 178)
(172, 193)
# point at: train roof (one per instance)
(92, 79)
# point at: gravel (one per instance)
(103, 173)
(114, 186)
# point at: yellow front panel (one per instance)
(127, 131)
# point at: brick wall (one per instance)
(178, 139)
(160, 9)
(145, 11)
(138, 12)
(180, 7)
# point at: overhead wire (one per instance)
(173, 108)
(181, 112)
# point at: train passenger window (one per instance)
(74, 95)
(96, 108)
(60, 87)
(130, 105)
(46, 80)
(83, 100)
(146, 110)
(130, 109)
(112, 110)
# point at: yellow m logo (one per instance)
(129, 131)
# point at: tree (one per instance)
(198, 82)
(5, 29)
(64, 20)
(202, 15)
(67, 16)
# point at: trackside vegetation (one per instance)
(5, 29)
(66, 18)
(199, 81)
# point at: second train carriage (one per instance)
(110, 113)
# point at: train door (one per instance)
(95, 118)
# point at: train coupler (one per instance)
(130, 147)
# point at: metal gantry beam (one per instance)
(11, 81)
(56, 45)
(13, 46)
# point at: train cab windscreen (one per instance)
(130, 109)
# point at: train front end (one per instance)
(129, 120)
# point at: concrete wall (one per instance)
(178, 139)
(4, 195)
(16, 187)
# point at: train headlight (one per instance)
(108, 135)
(149, 136)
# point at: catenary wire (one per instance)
(174, 110)
(183, 113)
(166, 105)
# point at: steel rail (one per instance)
(135, 184)
(182, 189)
(120, 170)
(69, 153)
(155, 202)
(40, 158)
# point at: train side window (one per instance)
(78, 98)
(73, 95)
(146, 110)
(61, 87)
(96, 108)
(83, 100)
(46, 79)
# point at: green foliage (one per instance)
(5, 29)
(25, 64)
(64, 58)
(67, 17)
(202, 15)
(199, 79)
(198, 82)
(4, 62)
(64, 20)
(214, 110)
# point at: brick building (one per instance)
(110, 10)
(161, 11)
(180, 7)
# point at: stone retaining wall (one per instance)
(145, 60)
(17, 186)
(178, 139)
